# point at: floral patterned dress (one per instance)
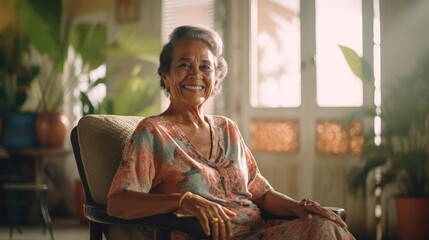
(159, 158)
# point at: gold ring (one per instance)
(214, 220)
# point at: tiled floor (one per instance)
(71, 229)
(64, 229)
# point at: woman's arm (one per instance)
(278, 204)
(131, 205)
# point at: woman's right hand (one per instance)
(214, 218)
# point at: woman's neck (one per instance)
(185, 116)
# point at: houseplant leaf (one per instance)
(136, 94)
(358, 65)
(42, 24)
(89, 40)
(132, 43)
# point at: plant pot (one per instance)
(52, 129)
(412, 216)
(18, 130)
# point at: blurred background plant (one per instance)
(16, 72)
(62, 50)
(66, 53)
(137, 92)
(402, 155)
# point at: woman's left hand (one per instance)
(315, 208)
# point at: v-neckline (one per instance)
(182, 134)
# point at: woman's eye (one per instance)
(185, 65)
(206, 67)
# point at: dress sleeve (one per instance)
(137, 169)
(258, 185)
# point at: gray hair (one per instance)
(203, 34)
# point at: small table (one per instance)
(40, 156)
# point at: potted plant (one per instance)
(16, 75)
(402, 157)
(64, 52)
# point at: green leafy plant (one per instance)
(64, 51)
(16, 73)
(403, 153)
(138, 93)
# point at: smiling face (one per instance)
(190, 79)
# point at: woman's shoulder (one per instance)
(223, 121)
(150, 123)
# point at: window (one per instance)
(301, 77)
(338, 22)
(278, 81)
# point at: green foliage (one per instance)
(60, 46)
(358, 65)
(43, 26)
(89, 40)
(130, 42)
(403, 154)
(16, 74)
(66, 53)
(139, 93)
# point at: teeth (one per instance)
(193, 87)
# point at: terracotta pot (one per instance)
(412, 216)
(52, 129)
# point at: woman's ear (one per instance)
(165, 80)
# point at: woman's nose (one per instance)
(196, 72)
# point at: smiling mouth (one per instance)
(193, 87)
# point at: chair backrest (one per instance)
(98, 142)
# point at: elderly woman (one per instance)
(196, 164)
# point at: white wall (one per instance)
(405, 36)
(404, 39)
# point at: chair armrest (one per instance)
(190, 225)
(339, 211)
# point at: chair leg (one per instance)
(95, 231)
(12, 212)
(45, 213)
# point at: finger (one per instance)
(223, 225)
(225, 221)
(341, 222)
(204, 222)
(335, 218)
(229, 212)
(202, 217)
(215, 227)
(228, 228)
(222, 229)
